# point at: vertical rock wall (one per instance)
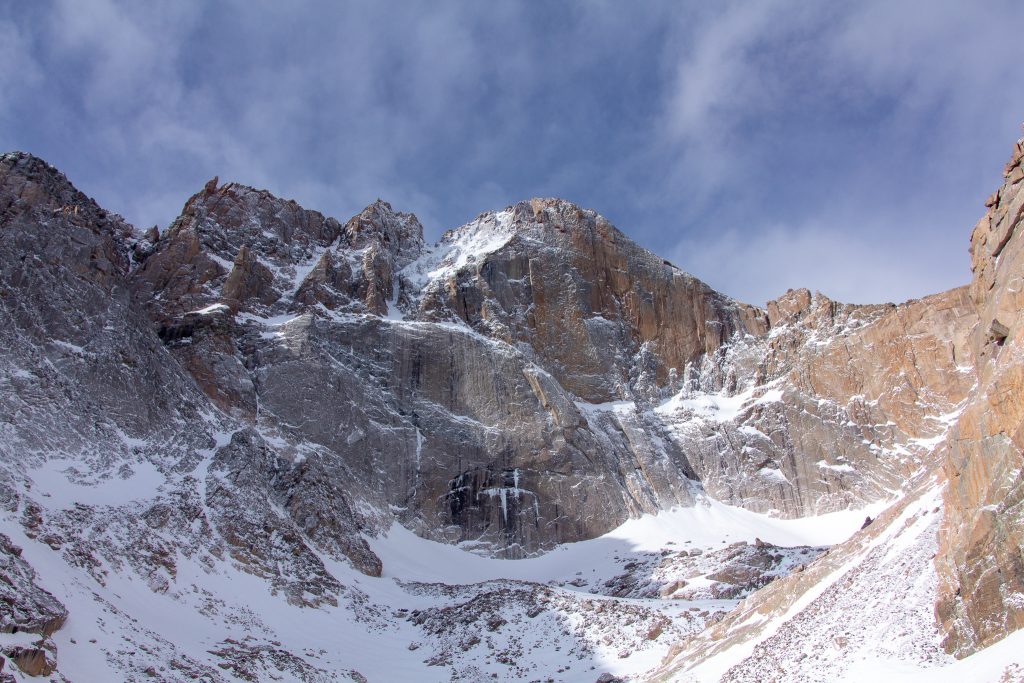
(981, 559)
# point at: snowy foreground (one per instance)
(441, 613)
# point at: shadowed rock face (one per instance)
(981, 560)
(90, 391)
(24, 606)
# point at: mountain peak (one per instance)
(400, 233)
(34, 182)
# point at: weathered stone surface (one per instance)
(220, 226)
(981, 557)
(240, 497)
(37, 660)
(585, 298)
(24, 606)
(843, 402)
(383, 241)
(471, 441)
(90, 397)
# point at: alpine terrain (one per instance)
(264, 444)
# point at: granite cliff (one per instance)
(261, 391)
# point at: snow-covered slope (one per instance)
(863, 612)
(437, 613)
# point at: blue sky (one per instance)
(845, 147)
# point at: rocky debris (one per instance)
(839, 610)
(250, 660)
(489, 629)
(981, 571)
(729, 573)
(24, 606)
(311, 494)
(815, 643)
(240, 497)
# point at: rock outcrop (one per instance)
(952, 545)
(24, 606)
(516, 374)
(835, 407)
(608, 319)
(92, 399)
(981, 557)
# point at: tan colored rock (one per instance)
(34, 661)
(249, 279)
(587, 299)
(982, 541)
(789, 307)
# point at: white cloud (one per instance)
(921, 93)
(754, 116)
(716, 76)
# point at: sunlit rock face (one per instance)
(843, 403)
(981, 557)
(605, 317)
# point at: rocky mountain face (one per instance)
(473, 386)
(951, 547)
(262, 391)
(982, 561)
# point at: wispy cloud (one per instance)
(845, 148)
(699, 128)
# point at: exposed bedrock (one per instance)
(981, 558)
